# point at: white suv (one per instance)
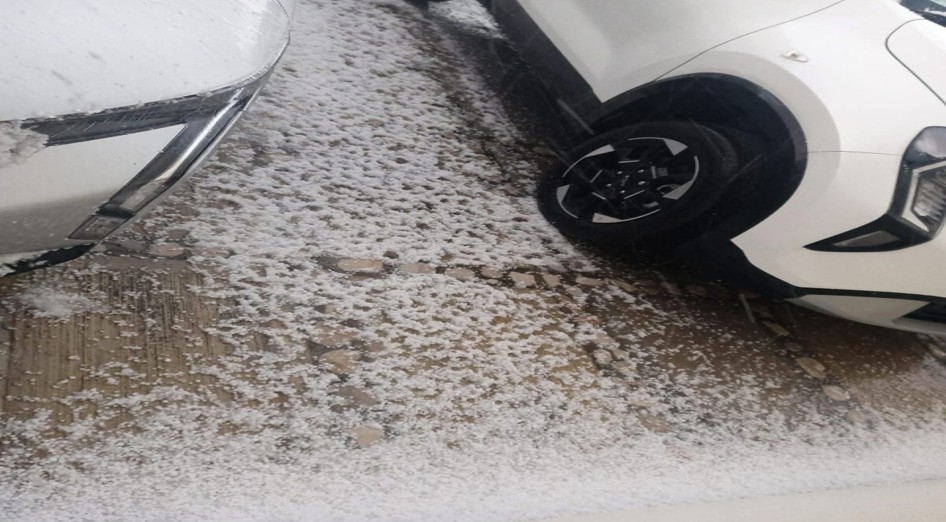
(798, 144)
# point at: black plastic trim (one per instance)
(574, 93)
(870, 293)
(907, 236)
(930, 313)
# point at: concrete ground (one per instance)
(152, 314)
(152, 324)
(97, 343)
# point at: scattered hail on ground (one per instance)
(356, 312)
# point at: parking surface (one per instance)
(356, 312)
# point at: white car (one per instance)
(105, 104)
(797, 144)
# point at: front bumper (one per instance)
(97, 172)
(918, 314)
(841, 192)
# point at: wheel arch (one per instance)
(722, 101)
(715, 99)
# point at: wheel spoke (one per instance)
(674, 178)
(607, 161)
(643, 152)
(582, 203)
(627, 180)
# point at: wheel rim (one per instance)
(628, 180)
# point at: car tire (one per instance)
(642, 185)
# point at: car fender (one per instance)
(833, 71)
(616, 46)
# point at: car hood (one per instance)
(66, 57)
(921, 47)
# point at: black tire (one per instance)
(742, 194)
(658, 183)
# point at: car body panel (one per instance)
(93, 56)
(614, 45)
(845, 87)
(911, 44)
(840, 192)
(53, 191)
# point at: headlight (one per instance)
(205, 119)
(919, 203)
(925, 162)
